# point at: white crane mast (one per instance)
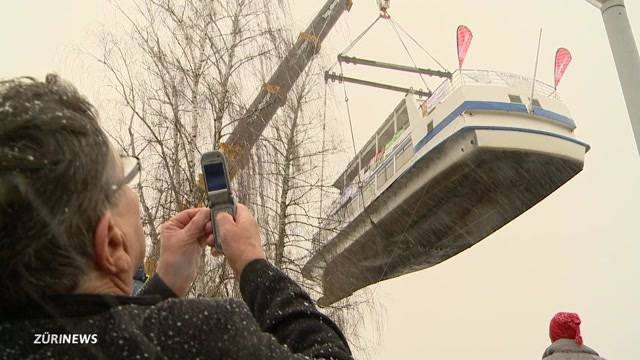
(625, 54)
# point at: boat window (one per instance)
(403, 156)
(536, 102)
(386, 136)
(515, 99)
(367, 157)
(382, 177)
(380, 180)
(389, 171)
(378, 156)
(402, 119)
(430, 126)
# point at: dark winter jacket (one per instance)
(565, 349)
(277, 320)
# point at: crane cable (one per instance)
(324, 127)
(355, 155)
(419, 45)
(355, 41)
(408, 53)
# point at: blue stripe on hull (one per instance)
(494, 106)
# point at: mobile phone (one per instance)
(219, 194)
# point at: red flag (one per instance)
(563, 59)
(464, 41)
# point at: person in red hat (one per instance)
(566, 341)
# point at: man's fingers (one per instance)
(242, 212)
(210, 240)
(196, 226)
(224, 224)
(214, 252)
(223, 219)
(184, 217)
(244, 216)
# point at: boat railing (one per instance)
(465, 77)
(490, 77)
(358, 195)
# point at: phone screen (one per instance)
(215, 177)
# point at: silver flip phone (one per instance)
(219, 194)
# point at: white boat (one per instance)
(440, 175)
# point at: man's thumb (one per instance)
(223, 219)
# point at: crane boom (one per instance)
(274, 93)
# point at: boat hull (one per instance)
(460, 192)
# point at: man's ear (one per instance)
(108, 244)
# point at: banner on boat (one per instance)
(438, 96)
(563, 59)
(464, 41)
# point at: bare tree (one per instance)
(177, 75)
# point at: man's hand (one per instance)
(182, 239)
(240, 239)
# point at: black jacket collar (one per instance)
(71, 305)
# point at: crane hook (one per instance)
(384, 5)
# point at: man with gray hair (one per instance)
(71, 239)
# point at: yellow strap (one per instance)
(310, 37)
(276, 90)
(272, 89)
(230, 151)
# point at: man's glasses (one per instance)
(131, 166)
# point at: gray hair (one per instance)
(55, 178)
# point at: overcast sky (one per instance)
(577, 251)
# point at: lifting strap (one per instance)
(395, 26)
(357, 39)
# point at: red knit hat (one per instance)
(565, 325)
